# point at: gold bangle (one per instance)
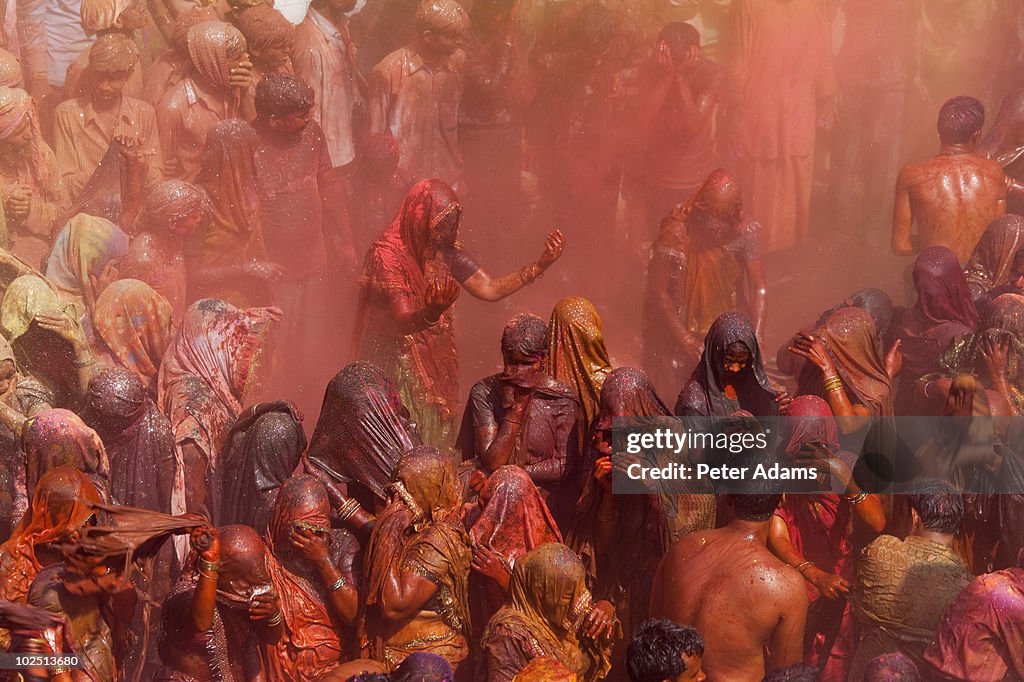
(802, 566)
(208, 565)
(348, 509)
(275, 621)
(208, 576)
(854, 500)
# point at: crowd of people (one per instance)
(234, 440)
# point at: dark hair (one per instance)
(281, 94)
(798, 672)
(679, 36)
(938, 503)
(656, 652)
(960, 119)
(895, 667)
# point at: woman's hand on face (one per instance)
(311, 546)
(815, 350)
(63, 325)
(996, 354)
(599, 623)
(264, 607)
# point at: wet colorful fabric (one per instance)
(85, 246)
(989, 264)
(209, 45)
(56, 437)
(61, 505)
(577, 355)
(423, 363)
(515, 519)
(134, 322)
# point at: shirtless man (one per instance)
(708, 579)
(954, 196)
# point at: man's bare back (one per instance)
(952, 198)
(749, 606)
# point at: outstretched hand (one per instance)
(553, 247)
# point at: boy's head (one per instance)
(269, 36)
(440, 25)
(961, 120)
(663, 651)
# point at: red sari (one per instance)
(423, 363)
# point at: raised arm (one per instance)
(481, 285)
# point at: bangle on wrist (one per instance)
(205, 565)
(348, 509)
(855, 498)
(275, 620)
(338, 584)
(207, 576)
(428, 321)
(803, 566)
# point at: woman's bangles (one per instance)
(530, 274)
(833, 383)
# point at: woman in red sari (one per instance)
(206, 373)
(509, 520)
(312, 571)
(60, 506)
(811, 531)
(411, 278)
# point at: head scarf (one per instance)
(942, 294)
(134, 322)
(850, 336)
(719, 199)
(84, 248)
(113, 53)
(421, 666)
(809, 420)
(262, 451)
(363, 429)
(989, 264)
(15, 106)
(171, 200)
(313, 646)
(577, 355)
(56, 437)
(524, 339)
(628, 392)
(547, 601)
(427, 204)
(61, 505)
(203, 379)
(219, 345)
(209, 45)
(27, 296)
(442, 16)
(138, 439)
(101, 15)
(422, 514)
(515, 519)
(10, 70)
(704, 394)
(875, 302)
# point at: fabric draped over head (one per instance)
(10, 71)
(261, 452)
(101, 15)
(218, 344)
(203, 379)
(134, 322)
(61, 505)
(577, 355)
(942, 294)
(113, 53)
(719, 196)
(363, 428)
(85, 246)
(137, 436)
(809, 420)
(442, 16)
(312, 645)
(704, 394)
(421, 666)
(1003, 142)
(515, 519)
(171, 200)
(210, 44)
(850, 336)
(546, 588)
(875, 302)
(15, 107)
(989, 264)
(1004, 321)
(56, 437)
(628, 392)
(398, 264)
(424, 506)
(27, 296)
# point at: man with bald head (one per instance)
(415, 93)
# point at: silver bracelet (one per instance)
(338, 584)
(275, 621)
